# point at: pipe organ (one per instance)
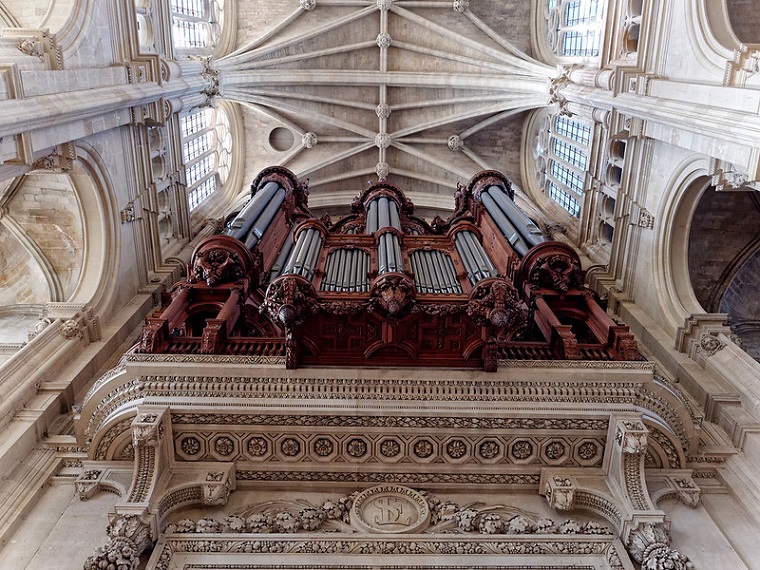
(382, 286)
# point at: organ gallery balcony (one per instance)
(383, 287)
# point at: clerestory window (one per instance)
(575, 27)
(567, 159)
(196, 24)
(206, 149)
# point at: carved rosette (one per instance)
(393, 295)
(288, 300)
(495, 303)
(220, 259)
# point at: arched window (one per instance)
(206, 153)
(575, 27)
(566, 157)
(196, 24)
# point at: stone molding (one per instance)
(116, 392)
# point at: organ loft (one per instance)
(381, 286)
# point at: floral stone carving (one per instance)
(387, 509)
(129, 536)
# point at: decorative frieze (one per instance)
(270, 445)
(386, 509)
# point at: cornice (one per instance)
(241, 388)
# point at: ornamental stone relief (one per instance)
(385, 509)
(353, 448)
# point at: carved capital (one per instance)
(147, 429)
(631, 436)
(88, 483)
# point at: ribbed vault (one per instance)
(416, 93)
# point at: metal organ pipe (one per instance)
(262, 222)
(434, 272)
(518, 228)
(475, 259)
(346, 271)
(257, 214)
(371, 225)
(382, 213)
(305, 254)
(282, 257)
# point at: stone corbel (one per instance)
(132, 529)
(745, 63)
(198, 483)
(218, 484)
(645, 531)
(59, 160)
(129, 535)
(677, 485)
(37, 43)
(727, 177)
(76, 320)
(97, 476)
(696, 328)
(626, 464)
(559, 492)
(648, 543)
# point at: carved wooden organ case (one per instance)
(381, 286)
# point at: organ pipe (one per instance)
(303, 259)
(251, 223)
(476, 262)
(346, 271)
(517, 228)
(434, 272)
(283, 256)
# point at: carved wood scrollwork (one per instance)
(220, 259)
(289, 300)
(551, 265)
(495, 303)
(393, 295)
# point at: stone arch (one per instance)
(744, 19)
(96, 286)
(671, 274)
(711, 34)
(725, 233)
(741, 301)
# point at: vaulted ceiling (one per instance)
(422, 94)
